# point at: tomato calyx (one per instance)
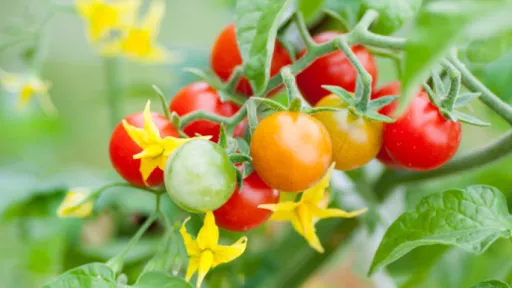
(238, 153)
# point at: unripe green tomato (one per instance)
(199, 176)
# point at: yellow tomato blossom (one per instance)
(103, 17)
(139, 40)
(28, 86)
(204, 252)
(69, 209)
(156, 149)
(312, 207)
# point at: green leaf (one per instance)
(349, 10)
(164, 255)
(381, 102)
(447, 20)
(243, 146)
(490, 49)
(310, 8)
(392, 13)
(491, 284)
(465, 99)
(247, 169)
(207, 76)
(94, 275)
(465, 118)
(160, 280)
(256, 24)
(471, 219)
(40, 205)
(342, 93)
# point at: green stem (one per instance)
(291, 85)
(228, 121)
(303, 30)
(369, 38)
(488, 97)
(116, 263)
(233, 80)
(114, 89)
(163, 102)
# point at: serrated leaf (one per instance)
(243, 146)
(491, 284)
(392, 13)
(160, 280)
(342, 93)
(471, 219)
(463, 117)
(256, 24)
(378, 117)
(93, 275)
(464, 99)
(381, 102)
(207, 76)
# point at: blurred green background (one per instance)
(41, 157)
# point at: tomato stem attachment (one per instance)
(455, 80)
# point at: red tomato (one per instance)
(390, 89)
(200, 96)
(422, 139)
(122, 148)
(226, 57)
(241, 212)
(333, 69)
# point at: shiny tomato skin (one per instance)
(241, 212)
(290, 151)
(200, 96)
(333, 69)
(422, 139)
(122, 148)
(355, 140)
(226, 57)
(392, 88)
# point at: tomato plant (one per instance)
(290, 151)
(122, 148)
(200, 96)
(333, 69)
(226, 57)
(241, 212)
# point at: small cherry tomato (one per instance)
(241, 212)
(122, 148)
(390, 89)
(226, 57)
(291, 151)
(422, 139)
(199, 176)
(200, 96)
(355, 140)
(333, 69)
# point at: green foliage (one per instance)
(256, 23)
(94, 275)
(491, 284)
(471, 219)
(393, 13)
(160, 280)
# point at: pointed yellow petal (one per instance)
(153, 17)
(282, 216)
(26, 94)
(149, 126)
(69, 209)
(315, 194)
(308, 226)
(284, 211)
(151, 151)
(83, 7)
(205, 264)
(127, 12)
(147, 166)
(225, 254)
(136, 134)
(208, 236)
(336, 213)
(193, 263)
(190, 244)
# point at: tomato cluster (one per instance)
(290, 150)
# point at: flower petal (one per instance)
(153, 17)
(151, 151)
(149, 126)
(225, 254)
(284, 211)
(308, 226)
(69, 209)
(136, 134)
(315, 194)
(147, 166)
(193, 263)
(336, 213)
(190, 244)
(208, 236)
(205, 264)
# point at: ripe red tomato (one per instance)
(422, 139)
(390, 89)
(200, 96)
(122, 148)
(241, 212)
(226, 56)
(291, 151)
(333, 69)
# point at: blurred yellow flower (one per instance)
(103, 17)
(204, 252)
(312, 207)
(27, 86)
(156, 149)
(69, 209)
(138, 41)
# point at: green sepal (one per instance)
(207, 76)
(270, 103)
(247, 169)
(439, 87)
(342, 93)
(295, 105)
(320, 109)
(232, 145)
(243, 147)
(175, 120)
(239, 179)
(374, 115)
(239, 158)
(432, 96)
(465, 118)
(465, 98)
(381, 102)
(223, 138)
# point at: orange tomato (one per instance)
(291, 151)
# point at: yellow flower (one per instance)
(156, 149)
(26, 87)
(103, 17)
(69, 209)
(311, 208)
(139, 40)
(204, 252)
